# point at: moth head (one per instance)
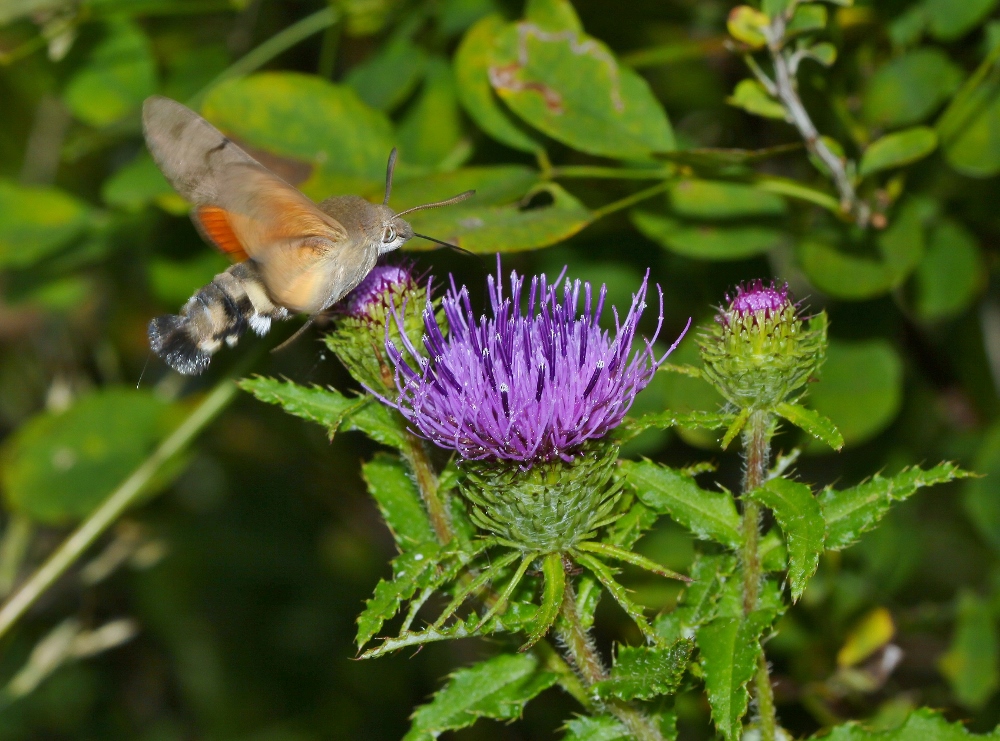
(395, 230)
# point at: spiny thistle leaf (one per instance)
(325, 406)
(923, 724)
(812, 422)
(644, 672)
(497, 688)
(851, 512)
(398, 500)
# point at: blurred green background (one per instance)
(240, 580)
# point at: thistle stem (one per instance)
(427, 483)
(587, 662)
(756, 454)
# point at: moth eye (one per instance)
(389, 235)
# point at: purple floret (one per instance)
(524, 387)
(755, 296)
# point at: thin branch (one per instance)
(787, 93)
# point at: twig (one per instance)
(786, 89)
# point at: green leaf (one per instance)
(553, 589)
(606, 575)
(571, 87)
(714, 199)
(497, 688)
(411, 570)
(118, 75)
(553, 15)
(898, 149)
(667, 419)
(748, 25)
(970, 126)
(982, 495)
(510, 228)
(971, 661)
(645, 672)
(860, 388)
(36, 222)
(325, 406)
(707, 241)
(494, 185)
(815, 424)
(951, 274)
(697, 603)
(57, 467)
(909, 88)
(851, 512)
(380, 423)
(752, 97)
(472, 73)
(801, 520)
(398, 500)
(387, 78)
(951, 20)
(923, 724)
(431, 130)
(722, 158)
(729, 648)
(807, 17)
(345, 142)
(596, 728)
(710, 515)
(139, 183)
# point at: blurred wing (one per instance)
(246, 210)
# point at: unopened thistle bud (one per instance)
(759, 352)
(359, 339)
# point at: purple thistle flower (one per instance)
(524, 387)
(372, 293)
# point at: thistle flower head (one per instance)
(525, 386)
(759, 352)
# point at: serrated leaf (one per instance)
(497, 688)
(552, 594)
(696, 605)
(645, 672)
(398, 500)
(324, 406)
(923, 724)
(664, 420)
(812, 422)
(410, 570)
(801, 520)
(710, 515)
(851, 512)
(378, 422)
(898, 149)
(729, 649)
(596, 728)
(605, 575)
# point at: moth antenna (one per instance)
(143, 372)
(456, 199)
(298, 333)
(388, 176)
(445, 244)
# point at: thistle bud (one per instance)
(759, 352)
(359, 337)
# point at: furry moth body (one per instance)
(296, 256)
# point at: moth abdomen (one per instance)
(218, 313)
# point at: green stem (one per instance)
(614, 173)
(427, 483)
(628, 201)
(111, 508)
(589, 666)
(277, 44)
(13, 548)
(756, 454)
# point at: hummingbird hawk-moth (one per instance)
(293, 256)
